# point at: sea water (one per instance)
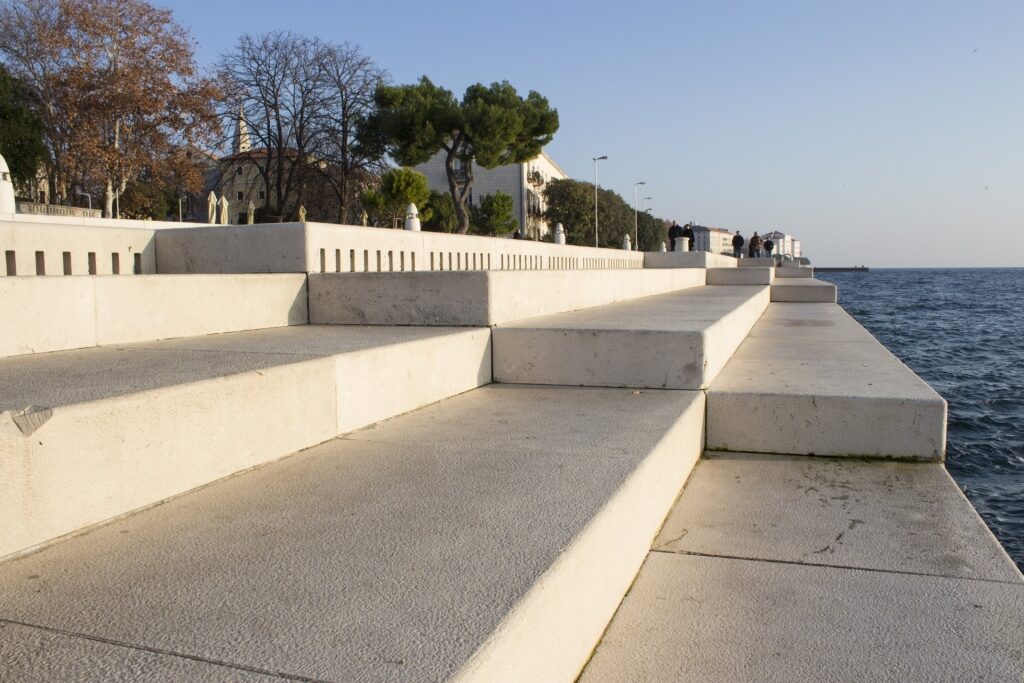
(962, 331)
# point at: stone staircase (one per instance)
(480, 460)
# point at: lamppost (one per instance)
(636, 222)
(596, 159)
(87, 196)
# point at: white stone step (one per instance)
(113, 429)
(740, 276)
(687, 259)
(58, 313)
(489, 537)
(794, 272)
(675, 341)
(763, 262)
(769, 554)
(479, 298)
(803, 290)
(810, 380)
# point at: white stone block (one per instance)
(740, 276)
(687, 259)
(808, 291)
(675, 341)
(116, 429)
(794, 272)
(818, 384)
(479, 298)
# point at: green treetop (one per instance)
(491, 126)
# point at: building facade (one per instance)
(711, 239)
(523, 182)
(785, 244)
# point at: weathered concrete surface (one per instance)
(740, 276)
(809, 380)
(488, 537)
(480, 298)
(30, 654)
(687, 259)
(807, 569)
(115, 429)
(695, 618)
(56, 314)
(886, 516)
(677, 341)
(803, 290)
(794, 272)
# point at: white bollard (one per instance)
(625, 243)
(412, 218)
(663, 249)
(682, 244)
(559, 234)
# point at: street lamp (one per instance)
(87, 196)
(636, 222)
(596, 159)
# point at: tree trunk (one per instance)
(459, 195)
(108, 200)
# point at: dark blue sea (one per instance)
(962, 330)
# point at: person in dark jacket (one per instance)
(674, 233)
(737, 244)
(755, 245)
(687, 234)
(769, 246)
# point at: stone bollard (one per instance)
(211, 208)
(559, 234)
(625, 243)
(682, 244)
(412, 218)
(663, 249)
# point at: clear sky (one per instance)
(883, 133)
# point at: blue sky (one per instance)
(884, 133)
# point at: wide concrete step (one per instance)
(489, 537)
(479, 298)
(809, 380)
(90, 434)
(803, 290)
(58, 313)
(677, 341)
(765, 558)
(793, 271)
(740, 276)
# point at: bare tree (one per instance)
(275, 83)
(351, 79)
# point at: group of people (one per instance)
(757, 248)
(680, 233)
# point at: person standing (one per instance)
(769, 246)
(755, 245)
(674, 233)
(737, 244)
(687, 234)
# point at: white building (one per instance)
(785, 244)
(523, 182)
(714, 240)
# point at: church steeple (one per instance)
(241, 141)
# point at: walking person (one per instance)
(674, 233)
(737, 245)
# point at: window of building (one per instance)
(263, 194)
(238, 170)
(238, 195)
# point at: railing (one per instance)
(57, 210)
